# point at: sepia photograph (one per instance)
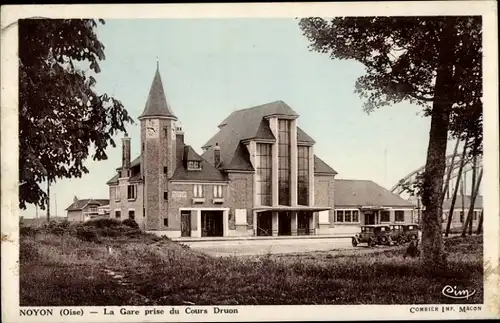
(171, 168)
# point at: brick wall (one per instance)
(124, 205)
(241, 196)
(324, 190)
(185, 200)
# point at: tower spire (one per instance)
(157, 105)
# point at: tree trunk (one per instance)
(432, 240)
(450, 170)
(471, 205)
(457, 186)
(48, 201)
(475, 189)
(480, 224)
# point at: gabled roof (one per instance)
(478, 203)
(156, 104)
(81, 204)
(357, 193)
(247, 124)
(208, 173)
(320, 167)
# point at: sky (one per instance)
(211, 67)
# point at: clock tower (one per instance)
(158, 154)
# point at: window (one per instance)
(355, 216)
(284, 162)
(131, 192)
(303, 175)
(198, 190)
(93, 209)
(194, 165)
(264, 174)
(115, 192)
(165, 222)
(385, 216)
(462, 216)
(165, 132)
(218, 191)
(165, 196)
(400, 216)
(347, 216)
(340, 216)
(165, 169)
(142, 146)
(118, 214)
(131, 214)
(475, 215)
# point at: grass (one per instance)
(61, 269)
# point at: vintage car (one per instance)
(410, 231)
(402, 233)
(377, 234)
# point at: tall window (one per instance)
(131, 192)
(218, 191)
(303, 175)
(118, 214)
(264, 173)
(115, 192)
(131, 214)
(198, 190)
(284, 162)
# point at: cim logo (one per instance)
(455, 293)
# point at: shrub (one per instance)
(130, 223)
(87, 233)
(27, 250)
(28, 231)
(103, 223)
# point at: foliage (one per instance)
(400, 55)
(434, 62)
(130, 223)
(61, 114)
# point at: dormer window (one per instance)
(194, 165)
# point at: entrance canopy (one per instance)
(291, 208)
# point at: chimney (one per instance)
(216, 155)
(179, 133)
(125, 155)
(75, 199)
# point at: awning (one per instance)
(291, 208)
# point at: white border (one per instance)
(9, 131)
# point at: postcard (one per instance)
(250, 162)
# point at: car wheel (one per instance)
(372, 243)
(401, 240)
(354, 242)
(384, 240)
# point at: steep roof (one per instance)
(478, 203)
(208, 172)
(356, 193)
(80, 204)
(156, 104)
(320, 167)
(248, 124)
